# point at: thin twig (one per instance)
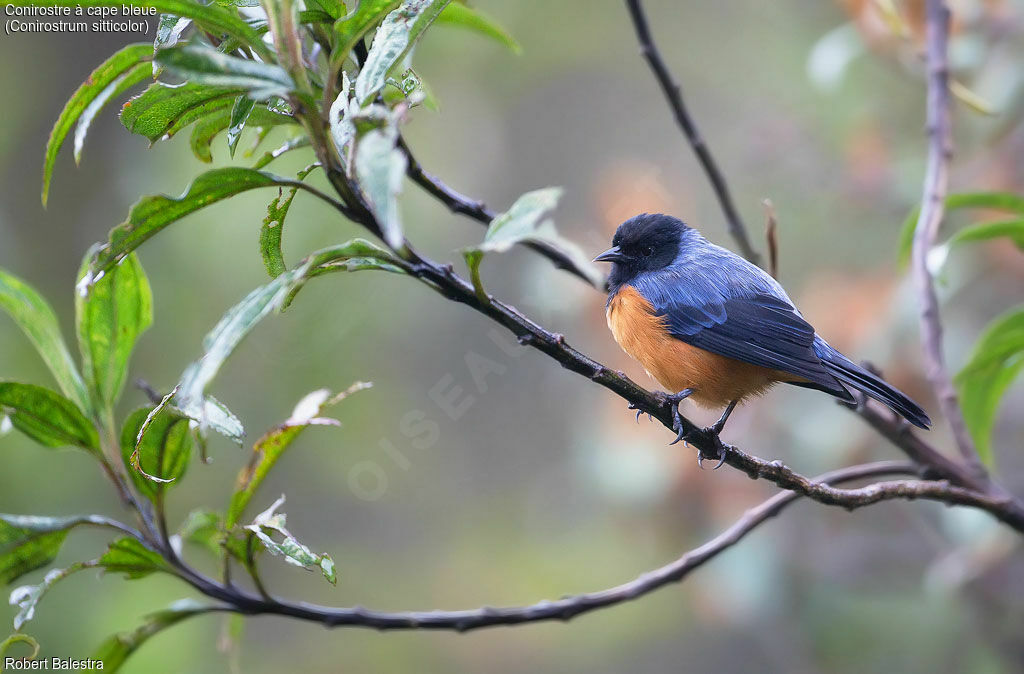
(673, 93)
(940, 148)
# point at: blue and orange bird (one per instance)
(712, 327)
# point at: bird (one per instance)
(712, 327)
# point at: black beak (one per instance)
(613, 254)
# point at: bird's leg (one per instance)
(711, 435)
(720, 424)
(673, 400)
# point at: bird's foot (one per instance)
(705, 437)
(672, 402)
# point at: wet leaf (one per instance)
(169, 30)
(161, 110)
(210, 67)
(270, 523)
(348, 31)
(394, 39)
(206, 129)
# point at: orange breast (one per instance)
(715, 380)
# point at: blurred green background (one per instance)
(544, 485)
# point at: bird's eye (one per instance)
(647, 251)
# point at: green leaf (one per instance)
(380, 168)
(27, 597)
(169, 30)
(270, 523)
(999, 201)
(94, 87)
(115, 650)
(36, 319)
(269, 449)
(349, 31)
(152, 213)
(133, 559)
(464, 16)
(273, 228)
(525, 222)
(353, 255)
(213, 17)
(239, 116)
(995, 362)
(271, 233)
(210, 67)
(163, 452)
(1014, 229)
(29, 542)
(161, 110)
(207, 128)
(111, 314)
(47, 417)
(396, 36)
(333, 8)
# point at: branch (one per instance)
(674, 95)
(568, 607)
(445, 281)
(936, 179)
(478, 210)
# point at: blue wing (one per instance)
(753, 322)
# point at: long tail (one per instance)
(854, 376)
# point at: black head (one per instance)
(645, 242)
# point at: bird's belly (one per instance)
(716, 380)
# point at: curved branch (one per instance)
(674, 96)
(936, 179)
(568, 607)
